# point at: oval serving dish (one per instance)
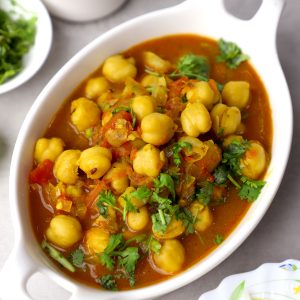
(27, 257)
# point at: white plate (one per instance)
(272, 281)
(37, 55)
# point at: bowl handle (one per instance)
(15, 274)
(267, 16)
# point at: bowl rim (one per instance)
(231, 243)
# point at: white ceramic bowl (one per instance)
(192, 16)
(276, 281)
(82, 10)
(37, 55)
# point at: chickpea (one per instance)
(236, 93)
(96, 240)
(157, 129)
(84, 114)
(118, 135)
(158, 88)
(201, 92)
(148, 161)
(174, 229)
(95, 161)
(135, 201)
(229, 139)
(226, 120)
(118, 177)
(195, 119)
(254, 161)
(202, 214)
(156, 63)
(65, 167)
(170, 258)
(117, 68)
(198, 147)
(95, 87)
(143, 106)
(138, 220)
(48, 149)
(64, 231)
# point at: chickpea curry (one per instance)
(151, 162)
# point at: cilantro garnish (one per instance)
(231, 54)
(233, 153)
(204, 193)
(192, 66)
(126, 257)
(219, 238)
(77, 257)
(142, 193)
(251, 189)
(120, 108)
(164, 180)
(108, 282)
(188, 220)
(220, 175)
(177, 147)
(106, 199)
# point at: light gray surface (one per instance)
(276, 237)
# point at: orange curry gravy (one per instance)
(258, 126)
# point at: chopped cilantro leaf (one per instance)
(165, 180)
(77, 257)
(219, 239)
(142, 193)
(220, 175)
(231, 54)
(233, 153)
(160, 221)
(204, 194)
(188, 220)
(108, 282)
(16, 38)
(192, 66)
(106, 199)
(128, 206)
(250, 189)
(128, 260)
(177, 147)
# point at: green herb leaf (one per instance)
(128, 260)
(128, 206)
(142, 193)
(188, 220)
(56, 255)
(192, 66)
(16, 38)
(108, 282)
(220, 175)
(204, 194)
(106, 199)
(120, 108)
(165, 180)
(160, 221)
(231, 54)
(218, 239)
(251, 189)
(233, 153)
(177, 147)
(77, 257)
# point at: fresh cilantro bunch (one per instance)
(192, 66)
(16, 38)
(231, 54)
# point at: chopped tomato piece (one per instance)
(43, 173)
(122, 151)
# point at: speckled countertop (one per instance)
(276, 237)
